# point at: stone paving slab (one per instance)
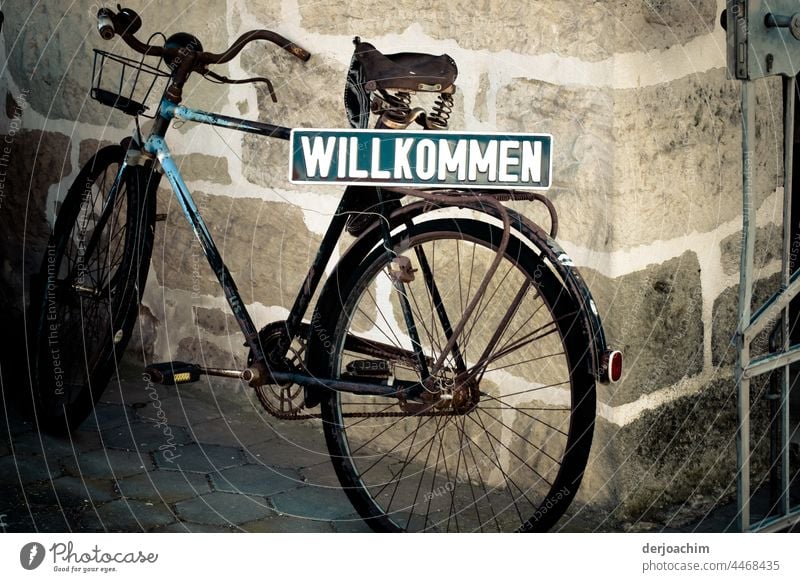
(145, 436)
(313, 502)
(123, 515)
(189, 527)
(284, 524)
(89, 491)
(220, 508)
(320, 475)
(107, 464)
(200, 458)
(231, 432)
(255, 480)
(107, 416)
(350, 524)
(278, 452)
(44, 444)
(29, 468)
(163, 486)
(178, 411)
(134, 391)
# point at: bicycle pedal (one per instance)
(372, 368)
(172, 373)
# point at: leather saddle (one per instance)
(405, 71)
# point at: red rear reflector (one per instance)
(614, 366)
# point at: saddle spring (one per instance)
(440, 116)
(396, 112)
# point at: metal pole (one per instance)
(786, 273)
(745, 298)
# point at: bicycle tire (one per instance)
(86, 300)
(484, 502)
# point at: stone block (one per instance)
(50, 48)
(90, 147)
(204, 167)
(145, 334)
(31, 162)
(723, 345)
(655, 317)
(585, 29)
(309, 95)
(216, 321)
(266, 246)
(768, 244)
(682, 450)
(632, 166)
(581, 122)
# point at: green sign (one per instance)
(421, 158)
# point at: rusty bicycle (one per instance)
(452, 353)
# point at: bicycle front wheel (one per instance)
(91, 279)
(511, 456)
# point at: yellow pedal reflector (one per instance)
(183, 377)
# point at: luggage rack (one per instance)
(763, 39)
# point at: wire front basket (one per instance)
(127, 84)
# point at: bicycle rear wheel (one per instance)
(89, 286)
(513, 457)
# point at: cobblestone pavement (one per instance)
(202, 458)
(155, 458)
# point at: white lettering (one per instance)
(531, 162)
(342, 167)
(375, 169)
(506, 161)
(455, 161)
(319, 155)
(354, 171)
(426, 159)
(482, 161)
(402, 169)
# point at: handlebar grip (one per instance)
(105, 25)
(297, 51)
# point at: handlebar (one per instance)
(126, 22)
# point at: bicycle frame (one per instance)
(156, 147)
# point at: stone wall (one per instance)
(647, 171)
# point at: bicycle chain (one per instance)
(369, 351)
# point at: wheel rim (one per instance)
(502, 464)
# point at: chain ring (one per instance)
(286, 402)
